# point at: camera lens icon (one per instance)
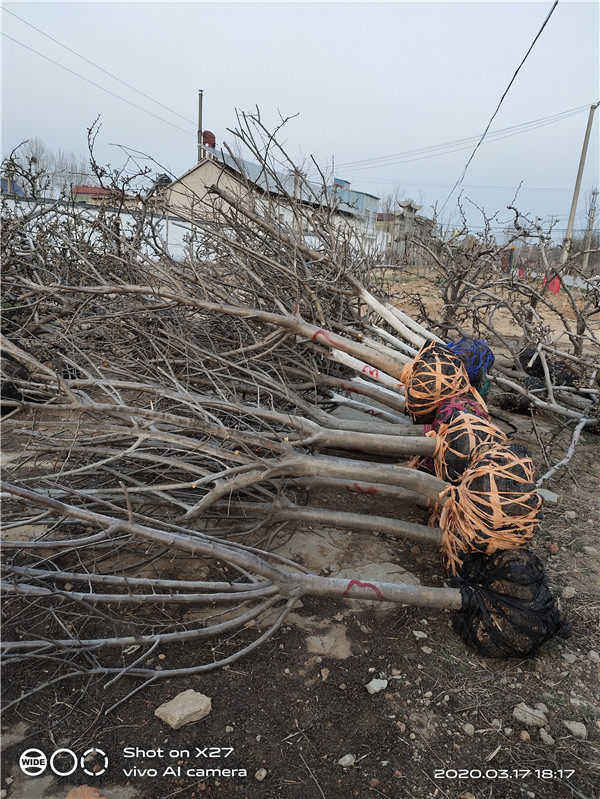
(33, 762)
(91, 755)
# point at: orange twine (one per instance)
(478, 520)
(426, 384)
(481, 435)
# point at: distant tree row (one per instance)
(57, 170)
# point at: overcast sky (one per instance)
(367, 80)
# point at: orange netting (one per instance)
(431, 377)
(460, 443)
(495, 506)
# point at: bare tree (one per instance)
(55, 171)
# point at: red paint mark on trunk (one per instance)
(355, 488)
(370, 370)
(326, 335)
(362, 585)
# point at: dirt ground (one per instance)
(299, 704)
(411, 285)
(442, 727)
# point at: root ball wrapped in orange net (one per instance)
(446, 413)
(461, 441)
(495, 506)
(435, 374)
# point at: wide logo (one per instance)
(63, 762)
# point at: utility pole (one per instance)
(200, 153)
(569, 233)
(588, 234)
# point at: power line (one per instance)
(97, 85)
(106, 72)
(512, 80)
(387, 160)
(490, 139)
(377, 181)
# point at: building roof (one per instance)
(277, 184)
(94, 191)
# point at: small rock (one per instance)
(569, 657)
(375, 686)
(552, 547)
(526, 714)
(576, 728)
(593, 655)
(570, 515)
(186, 707)
(260, 774)
(83, 792)
(524, 735)
(416, 549)
(325, 674)
(541, 706)
(546, 737)
(568, 593)
(508, 730)
(374, 782)
(469, 729)
(427, 649)
(419, 634)
(590, 551)
(401, 726)
(347, 760)
(228, 729)
(548, 496)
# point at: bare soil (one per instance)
(298, 704)
(295, 708)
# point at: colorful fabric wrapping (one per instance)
(476, 356)
(444, 414)
(452, 405)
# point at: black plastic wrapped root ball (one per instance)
(519, 403)
(508, 608)
(513, 481)
(560, 371)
